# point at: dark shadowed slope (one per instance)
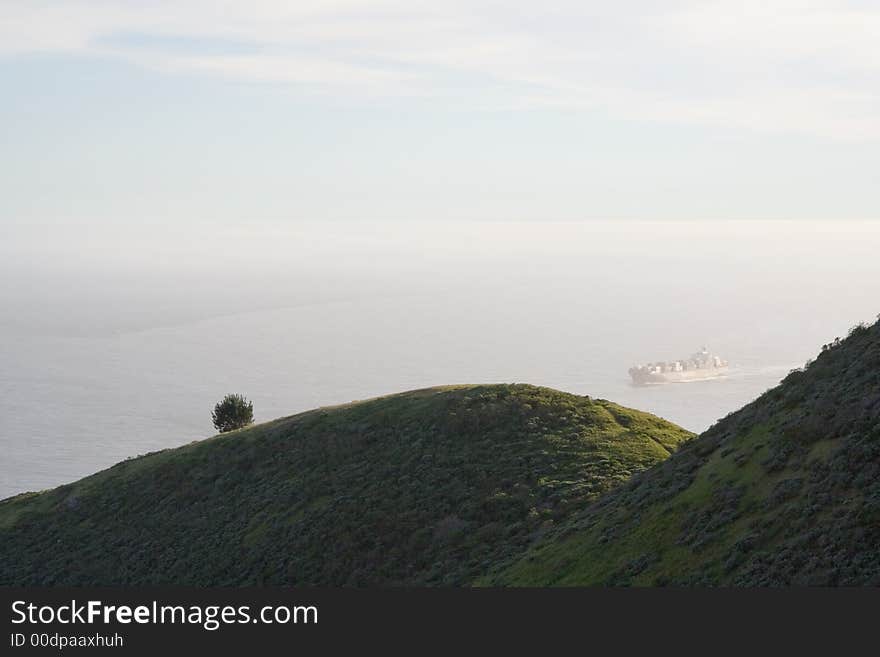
(784, 491)
(434, 486)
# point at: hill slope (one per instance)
(785, 491)
(433, 486)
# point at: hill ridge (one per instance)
(784, 491)
(432, 486)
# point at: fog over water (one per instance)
(117, 342)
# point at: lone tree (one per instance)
(233, 412)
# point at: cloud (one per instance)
(777, 66)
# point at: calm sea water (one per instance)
(127, 360)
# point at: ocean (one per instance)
(104, 357)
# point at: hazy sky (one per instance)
(205, 111)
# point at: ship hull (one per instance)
(659, 378)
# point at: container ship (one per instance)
(701, 365)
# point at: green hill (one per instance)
(785, 491)
(434, 486)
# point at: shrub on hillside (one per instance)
(232, 412)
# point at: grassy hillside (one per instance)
(784, 491)
(434, 486)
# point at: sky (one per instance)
(128, 114)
